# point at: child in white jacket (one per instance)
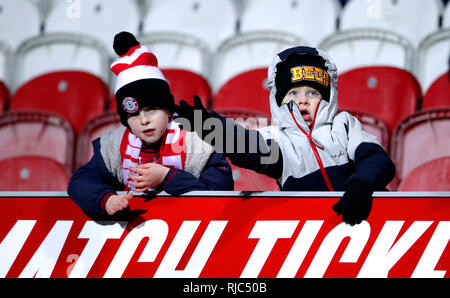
(311, 147)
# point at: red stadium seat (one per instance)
(375, 126)
(75, 95)
(420, 138)
(184, 84)
(431, 176)
(244, 179)
(4, 96)
(248, 180)
(246, 119)
(93, 129)
(36, 134)
(32, 173)
(245, 92)
(438, 95)
(388, 93)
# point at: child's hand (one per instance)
(187, 111)
(356, 203)
(150, 175)
(117, 202)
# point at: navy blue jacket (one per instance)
(92, 181)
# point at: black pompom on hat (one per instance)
(123, 41)
(139, 83)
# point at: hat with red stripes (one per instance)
(139, 82)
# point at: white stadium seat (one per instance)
(101, 19)
(248, 51)
(54, 52)
(433, 58)
(177, 50)
(19, 20)
(209, 20)
(413, 19)
(5, 63)
(369, 47)
(310, 20)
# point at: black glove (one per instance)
(188, 112)
(356, 203)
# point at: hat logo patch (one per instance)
(130, 105)
(310, 73)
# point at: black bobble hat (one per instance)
(301, 66)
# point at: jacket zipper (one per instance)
(313, 143)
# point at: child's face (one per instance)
(149, 124)
(307, 98)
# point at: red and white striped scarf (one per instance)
(172, 150)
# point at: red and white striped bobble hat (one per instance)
(139, 83)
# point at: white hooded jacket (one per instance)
(334, 151)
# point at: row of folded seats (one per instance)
(47, 129)
(223, 18)
(220, 45)
(82, 42)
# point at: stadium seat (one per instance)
(247, 120)
(184, 84)
(6, 63)
(248, 51)
(4, 97)
(351, 49)
(31, 133)
(248, 180)
(420, 138)
(244, 179)
(433, 58)
(413, 19)
(245, 92)
(375, 126)
(388, 93)
(32, 173)
(58, 52)
(446, 17)
(100, 19)
(178, 50)
(19, 20)
(209, 20)
(430, 176)
(298, 17)
(438, 95)
(92, 130)
(74, 95)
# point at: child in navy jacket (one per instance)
(150, 151)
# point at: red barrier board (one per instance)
(226, 235)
